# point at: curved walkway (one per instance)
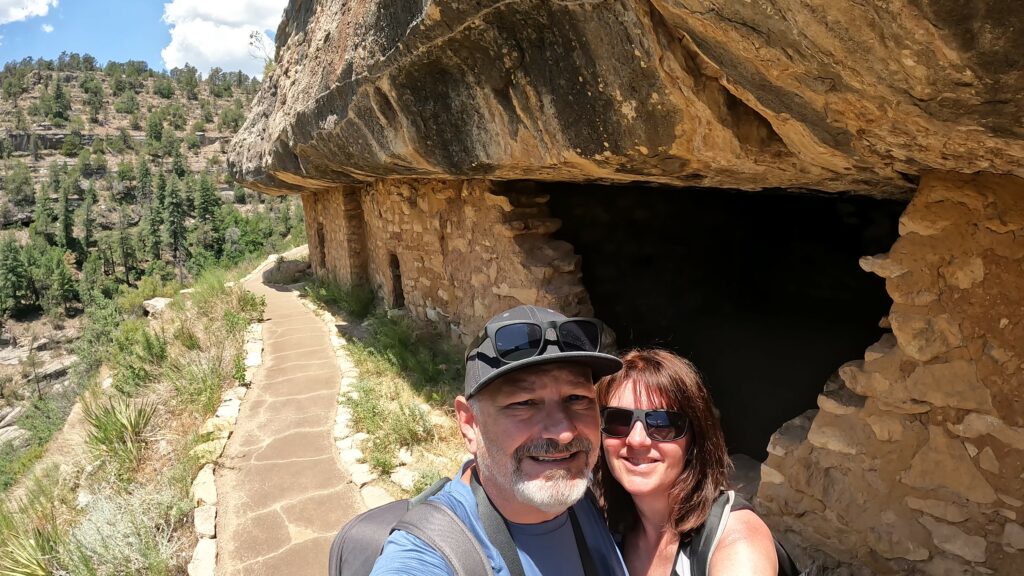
(282, 490)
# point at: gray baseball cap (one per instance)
(483, 365)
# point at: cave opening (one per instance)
(761, 290)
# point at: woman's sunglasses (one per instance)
(518, 339)
(660, 425)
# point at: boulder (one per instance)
(155, 306)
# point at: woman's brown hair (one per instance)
(674, 382)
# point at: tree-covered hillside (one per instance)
(112, 173)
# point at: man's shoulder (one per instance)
(404, 553)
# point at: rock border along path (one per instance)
(282, 490)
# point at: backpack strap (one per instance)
(443, 531)
(497, 531)
(704, 541)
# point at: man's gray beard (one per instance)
(556, 490)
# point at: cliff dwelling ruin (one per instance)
(824, 209)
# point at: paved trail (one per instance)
(281, 488)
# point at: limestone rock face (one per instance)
(777, 93)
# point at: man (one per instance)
(530, 419)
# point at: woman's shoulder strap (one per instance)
(702, 544)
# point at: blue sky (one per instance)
(164, 33)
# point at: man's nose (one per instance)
(559, 424)
(638, 435)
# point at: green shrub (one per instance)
(131, 533)
(425, 479)
(118, 430)
(356, 301)
(380, 455)
(137, 356)
(92, 348)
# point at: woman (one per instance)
(664, 464)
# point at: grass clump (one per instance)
(419, 354)
(403, 368)
(356, 301)
(393, 414)
(137, 356)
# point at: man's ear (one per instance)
(467, 423)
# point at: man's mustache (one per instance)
(550, 447)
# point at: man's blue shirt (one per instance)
(406, 554)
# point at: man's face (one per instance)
(535, 435)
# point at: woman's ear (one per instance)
(467, 423)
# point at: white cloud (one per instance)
(208, 33)
(18, 10)
(47, 28)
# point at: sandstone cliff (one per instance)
(861, 96)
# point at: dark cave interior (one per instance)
(761, 290)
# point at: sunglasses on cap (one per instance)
(521, 339)
(660, 425)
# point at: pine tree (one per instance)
(178, 165)
(13, 276)
(175, 232)
(42, 217)
(60, 290)
(90, 285)
(144, 177)
(160, 193)
(151, 228)
(125, 250)
(61, 102)
(207, 203)
(65, 223)
(87, 220)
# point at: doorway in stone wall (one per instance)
(397, 293)
(321, 249)
(762, 291)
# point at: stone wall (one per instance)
(466, 250)
(914, 462)
(336, 232)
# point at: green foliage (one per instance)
(198, 381)
(163, 87)
(13, 276)
(231, 117)
(131, 532)
(72, 144)
(137, 356)
(380, 405)
(425, 479)
(20, 554)
(18, 183)
(43, 418)
(118, 430)
(101, 321)
(355, 301)
(127, 103)
(154, 129)
(421, 355)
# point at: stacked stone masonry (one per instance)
(914, 461)
(466, 250)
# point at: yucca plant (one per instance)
(118, 429)
(20, 555)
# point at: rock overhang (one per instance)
(782, 94)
